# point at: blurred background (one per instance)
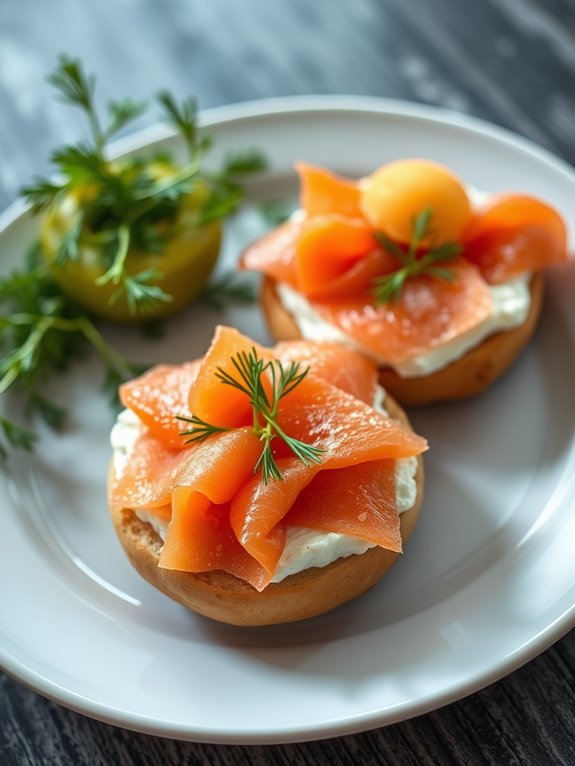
(508, 61)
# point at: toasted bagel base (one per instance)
(467, 376)
(226, 598)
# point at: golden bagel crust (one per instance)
(465, 377)
(226, 598)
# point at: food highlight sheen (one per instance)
(224, 463)
(436, 282)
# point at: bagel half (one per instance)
(467, 376)
(226, 598)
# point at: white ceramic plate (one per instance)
(488, 579)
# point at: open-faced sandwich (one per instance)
(437, 283)
(260, 486)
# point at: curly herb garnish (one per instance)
(389, 287)
(250, 373)
(132, 202)
(111, 207)
(41, 333)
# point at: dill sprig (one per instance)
(130, 204)
(41, 333)
(389, 287)
(250, 377)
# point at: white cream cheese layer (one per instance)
(510, 306)
(304, 548)
(511, 302)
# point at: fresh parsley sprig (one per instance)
(250, 377)
(388, 288)
(132, 203)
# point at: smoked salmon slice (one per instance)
(213, 468)
(157, 394)
(274, 253)
(515, 234)
(339, 365)
(207, 400)
(223, 516)
(348, 431)
(333, 255)
(325, 504)
(429, 313)
(323, 192)
(327, 248)
(215, 546)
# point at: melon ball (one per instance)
(398, 192)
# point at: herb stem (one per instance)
(25, 354)
(112, 357)
(116, 270)
(98, 135)
(43, 324)
(390, 286)
(250, 369)
(187, 172)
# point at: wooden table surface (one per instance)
(509, 61)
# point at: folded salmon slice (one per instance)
(332, 506)
(332, 257)
(223, 515)
(274, 253)
(213, 467)
(428, 313)
(208, 399)
(341, 366)
(166, 389)
(159, 393)
(324, 192)
(514, 234)
(327, 248)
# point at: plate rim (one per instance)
(281, 105)
(278, 107)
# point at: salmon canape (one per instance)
(440, 285)
(264, 485)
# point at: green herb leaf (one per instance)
(79, 162)
(72, 84)
(142, 294)
(51, 413)
(41, 333)
(222, 202)
(42, 193)
(244, 161)
(420, 229)
(183, 117)
(276, 212)
(131, 204)
(122, 113)
(229, 288)
(16, 435)
(77, 89)
(200, 430)
(388, 288)
(248, 378)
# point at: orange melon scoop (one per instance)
(395, 194)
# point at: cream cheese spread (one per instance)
(511, 302)
(304, 548)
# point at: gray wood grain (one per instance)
(509, 61)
